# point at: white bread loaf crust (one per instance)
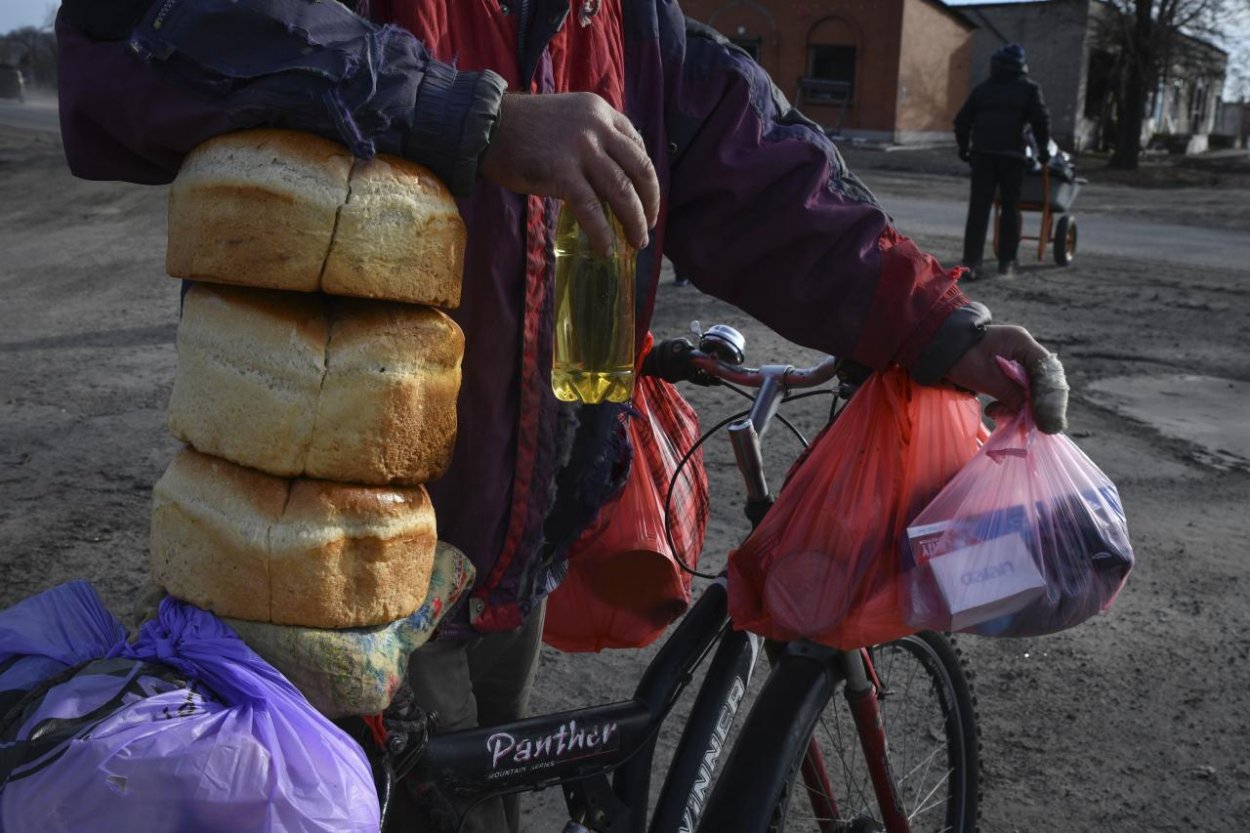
(400, 237)
(280, 209)
(293, 552)
(257, 208)
(210, 531)
(315, 386)
(250, 366)
(387, 407)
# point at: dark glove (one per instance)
(1043, 157)
(965, 154)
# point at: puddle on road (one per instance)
(1206, 411)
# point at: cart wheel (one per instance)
(1065, 240)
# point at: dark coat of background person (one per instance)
(989, 129)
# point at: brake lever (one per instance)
(670, 360)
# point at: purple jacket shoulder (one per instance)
(132, 107)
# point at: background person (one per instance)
(516, 106)
(989, 129)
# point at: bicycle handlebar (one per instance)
(677, 360)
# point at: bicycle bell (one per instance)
(723, 342)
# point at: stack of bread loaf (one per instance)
(316, 384)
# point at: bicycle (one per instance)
(787, 741)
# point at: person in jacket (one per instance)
(989, 130)
(516, 105)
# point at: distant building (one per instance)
(1076, 71)
(882, 70)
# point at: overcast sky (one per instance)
(17, 13)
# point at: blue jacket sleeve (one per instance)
(191, 69)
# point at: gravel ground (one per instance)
(1134, 721)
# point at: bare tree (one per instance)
(1237, 87)
(1150, 39)
(33, 50)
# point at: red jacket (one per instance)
(758, 207)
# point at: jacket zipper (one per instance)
(522, 27)
(160, 15)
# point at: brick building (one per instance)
(1076, 70)
(883, 70)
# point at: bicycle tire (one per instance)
(925, 718)
(761, 778)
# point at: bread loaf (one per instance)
(317, 386)
(280, 209)
(296, 552)
(399, 237)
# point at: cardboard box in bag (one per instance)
(985, 580)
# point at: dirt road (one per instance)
(1099, 233)
(37, 112)
(1135, 721)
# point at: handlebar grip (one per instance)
(852, 372)
(669, 360)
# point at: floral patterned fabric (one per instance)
(356, 671)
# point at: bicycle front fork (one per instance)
(861, 696)
(862, 687)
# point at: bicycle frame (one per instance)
(582, 746)
(794, 659)
(816, 671)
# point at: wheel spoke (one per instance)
(922, 806)
(922, 715)
(925, 763)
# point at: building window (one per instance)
(1098, 83)
(1174, 107)
(830, 73)
(1198, 111)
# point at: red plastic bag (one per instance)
(624, 586)
(1030, 538)
(824, 564)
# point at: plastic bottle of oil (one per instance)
(594, 331)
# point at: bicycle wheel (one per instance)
(929, 714)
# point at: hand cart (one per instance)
(1054, 200)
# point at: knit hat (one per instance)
(1010, 56)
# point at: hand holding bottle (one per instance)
(577, 148)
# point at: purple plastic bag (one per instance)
(48, 633)
(185, 730)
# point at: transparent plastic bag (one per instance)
(824, 564)
(1029, 538)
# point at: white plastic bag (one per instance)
(1029, 538)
